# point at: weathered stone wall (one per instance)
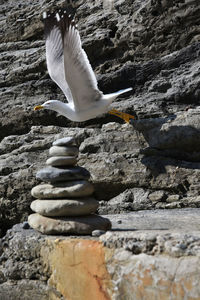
(121, 265)
(154, 163)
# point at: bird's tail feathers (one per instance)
(113, 96)
(124, 91)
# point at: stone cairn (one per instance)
(64, 203)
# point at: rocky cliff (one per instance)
(150, 45)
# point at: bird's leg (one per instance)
(122, 115)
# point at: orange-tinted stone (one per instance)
(79, 270)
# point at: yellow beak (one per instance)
(38, 107)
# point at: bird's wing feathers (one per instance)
(54, 54)
(78, 71)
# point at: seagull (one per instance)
(69, 67)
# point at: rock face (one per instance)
(152, 46)
(72, 209)
(144, 44)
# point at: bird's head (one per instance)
(51, 104)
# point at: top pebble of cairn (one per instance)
(64, 141)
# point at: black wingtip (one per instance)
(50, 22)
(66, 20)
(59, 18)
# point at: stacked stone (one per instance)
(64, 203)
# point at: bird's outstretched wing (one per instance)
(78, 71)
(54, 53)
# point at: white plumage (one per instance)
(69, 67)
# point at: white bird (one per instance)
(69, 67)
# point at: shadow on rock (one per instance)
(179, 132)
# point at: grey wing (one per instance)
(54, 54)
(78, 71)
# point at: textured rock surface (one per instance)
(68, 225)
(113, 156)
(121, 262)
(181, 220)
(154, 47)
(65, 208)
(28, 289)
(73, 189)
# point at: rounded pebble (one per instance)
(64, 141)
(97, 232)
(52, 174)
(65, 207)
(68, 225)
(73, 189)
(59, 161)
(25, 225)
(63, 151)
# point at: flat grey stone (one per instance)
(74, 189)
(65, 207)
(184, 219)
(69, 140)
(63, 151)
(68, 225)
(52, 174)
(59, 161)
